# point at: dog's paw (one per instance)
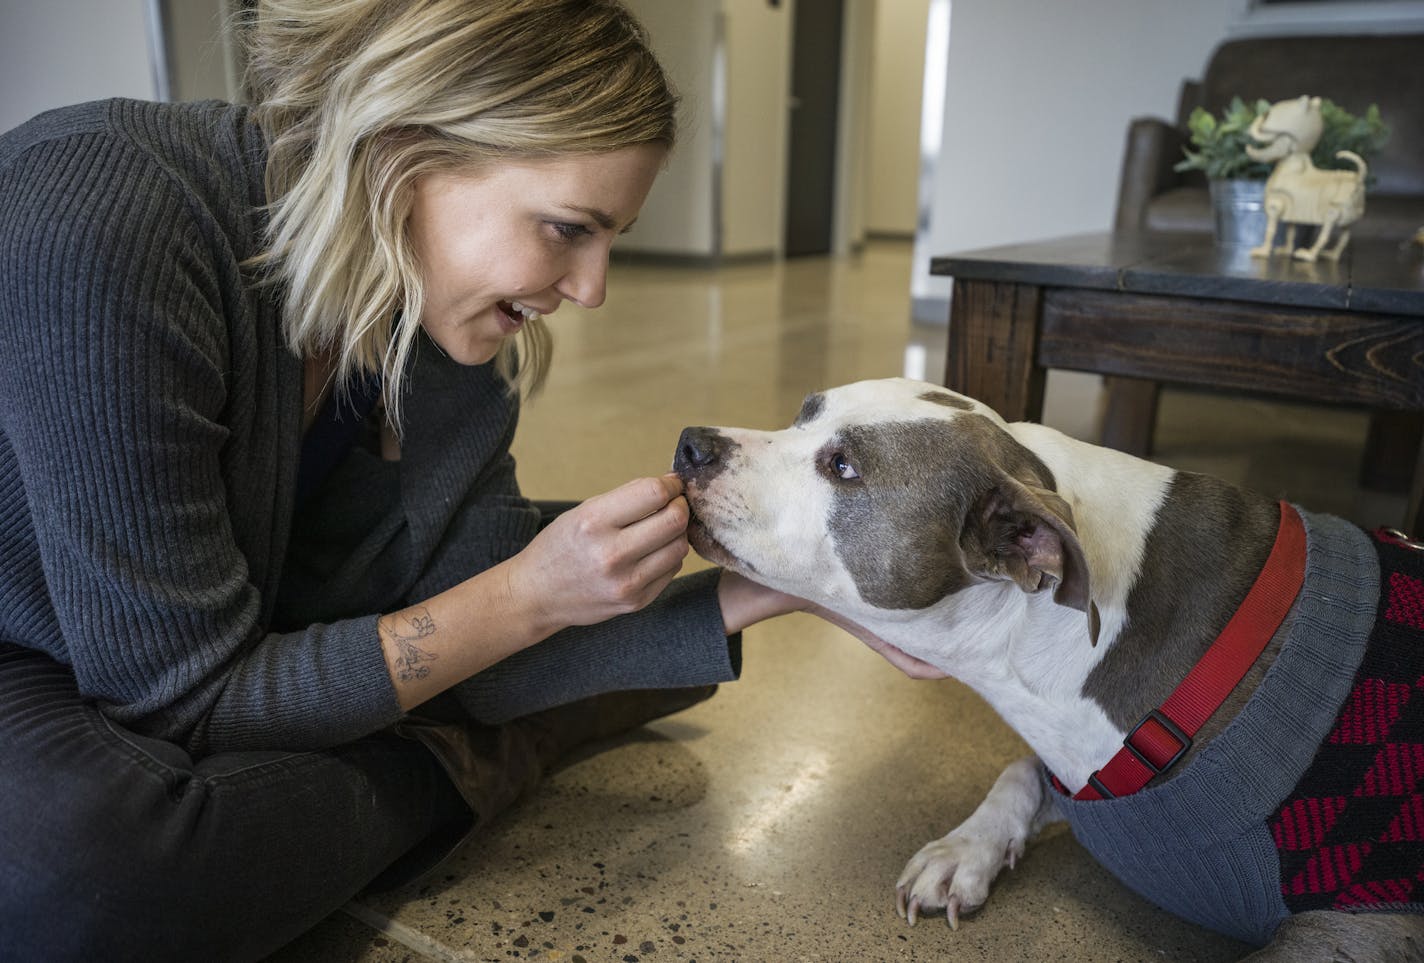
(954, 873)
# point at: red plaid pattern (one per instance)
(1351, 834)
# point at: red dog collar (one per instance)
(1165, 734)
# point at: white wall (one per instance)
(1037, 102)
(758, 84)
(57, 52)
(893, 164)
(1037, 99)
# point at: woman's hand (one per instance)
(610, 555)
(745, 602)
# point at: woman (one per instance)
(274, 617)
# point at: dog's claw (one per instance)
(951, 912)
(900, 901)
(913, 913)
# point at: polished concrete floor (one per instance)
(770, 823)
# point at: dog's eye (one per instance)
(842, 467)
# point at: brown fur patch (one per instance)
(898, 527)
(1207, 545)
(947, 399)
(810, 409)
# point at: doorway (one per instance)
(813, 126)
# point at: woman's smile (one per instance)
(514, 314)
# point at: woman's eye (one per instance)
(842, 467)
(569, 232)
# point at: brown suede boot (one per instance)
(557, 732)
(493, 766)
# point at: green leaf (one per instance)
(1218, 145)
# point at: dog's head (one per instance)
(882, 495)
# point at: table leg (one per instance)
(993, 347)
(1131, 414)
(1390, 446)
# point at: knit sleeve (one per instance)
(676, 641)
(118, 296)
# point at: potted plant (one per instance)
(1218, 149)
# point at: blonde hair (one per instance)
(359, 98)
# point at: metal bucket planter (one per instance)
(1238, 211)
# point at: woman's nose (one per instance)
(586, 283)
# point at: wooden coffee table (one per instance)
(1145, 309)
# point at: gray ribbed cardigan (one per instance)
(150, 433)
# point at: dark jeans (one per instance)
(114, 846)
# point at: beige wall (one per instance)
(883, 53)
(682, 216)
(893, 162)
(757, 40)
(854, 144)
(758, 45)
(678, 217)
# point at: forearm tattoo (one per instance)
(405, 629)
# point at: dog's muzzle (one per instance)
(702, 454)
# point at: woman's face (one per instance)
(521, 236)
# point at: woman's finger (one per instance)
(655, 587)
(635, 500)
(648, 534)
(652, 573)
(664, 561)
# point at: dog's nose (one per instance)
(696, 450)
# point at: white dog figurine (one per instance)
(1122, 618)
(1298, 192)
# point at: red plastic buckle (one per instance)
(1102, 790)
(1171, 728)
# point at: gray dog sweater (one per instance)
(1311, 797)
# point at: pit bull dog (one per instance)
(1222, 690)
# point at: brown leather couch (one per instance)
(1353, 71)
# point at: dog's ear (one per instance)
(1025, 534)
